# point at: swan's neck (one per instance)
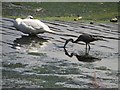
(18, 20)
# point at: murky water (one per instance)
(47, 65)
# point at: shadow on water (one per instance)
(26, 40)
(31, 44)
(84, 58)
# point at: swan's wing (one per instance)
(32, 24)
(44, 26)
(36, 25)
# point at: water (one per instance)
(48, 65)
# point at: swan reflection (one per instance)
(83, 58)
(31, 44)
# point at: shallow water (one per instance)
(46, 65)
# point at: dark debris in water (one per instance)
(37, 54)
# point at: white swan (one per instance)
(31, 26)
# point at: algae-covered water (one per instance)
(46, 64)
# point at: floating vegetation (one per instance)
(102, 68)
(11, 65)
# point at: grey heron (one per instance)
(87, 38)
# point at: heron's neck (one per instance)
(76, 40)
(71, 40)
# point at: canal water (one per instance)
(42, 62)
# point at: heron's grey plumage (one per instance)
(87, 38)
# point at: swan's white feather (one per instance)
(31, 26)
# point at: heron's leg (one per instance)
(88, 48)
(86, 45)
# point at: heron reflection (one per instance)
(84, 58)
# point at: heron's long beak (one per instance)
(66, 43)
